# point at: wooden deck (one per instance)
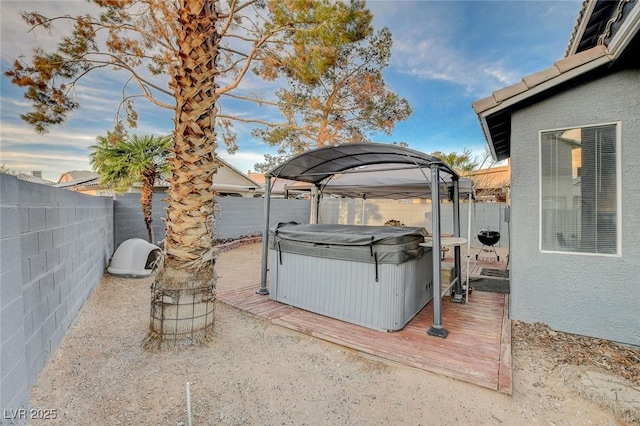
(477, 349)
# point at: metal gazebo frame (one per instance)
(317, 165)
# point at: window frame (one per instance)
(618, 133)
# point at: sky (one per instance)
(445, 55)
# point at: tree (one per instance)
(461, 162)
(130, 160)
(341, 96)
(206, 50)
(6, 170)
(270, 162)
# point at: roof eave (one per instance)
(488, 138)
(230, 166)
(564, 70)
(486, 108)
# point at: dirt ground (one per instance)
(257, 373)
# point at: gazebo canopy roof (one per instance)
(392, 181)
(317, 165)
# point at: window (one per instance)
(579, 190)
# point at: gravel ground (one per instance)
(257, 373)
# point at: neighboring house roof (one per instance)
(34, 179)
(228, 179)
(491, 184)
(256, 177)
(602, 36)
(491, 178)
(278, 186)
(75, 175)
(75, 179)
(244, 179)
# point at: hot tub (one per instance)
(374, 276)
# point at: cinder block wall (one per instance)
(129, 222)
(245, 216)
(377, 212)
(238, 216)
(241, 216)
(54, 245)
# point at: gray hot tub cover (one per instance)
(371, 244)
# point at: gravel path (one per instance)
(260, 374)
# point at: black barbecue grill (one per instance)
(488, 238)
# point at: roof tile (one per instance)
(540, 77)
(34, 179)
(574, 61)
(484, 104)
(510, 91)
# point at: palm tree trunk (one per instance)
(146, 201)
(183, 293)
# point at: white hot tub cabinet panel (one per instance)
(347, 290)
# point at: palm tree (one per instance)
(128, 161)
(461, 162)
(183, 293)
(205, 48)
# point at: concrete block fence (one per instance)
(245, 216)
(376, 212)
(241, 216)
(238, 216)
(54, 245)
(128, 219)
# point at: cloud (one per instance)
(51, 164)
(18, 40)
(60, 150)
(430, 59)
(476, 45)
(435, 57)
(15, 134)
(243, 160)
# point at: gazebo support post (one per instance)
(315, 204)
(265, 238)
(457, 292)
(436, 329)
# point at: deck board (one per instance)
(477, 349)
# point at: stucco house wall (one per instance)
(230, 175)
(584, 294)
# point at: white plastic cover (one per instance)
(134, 258)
